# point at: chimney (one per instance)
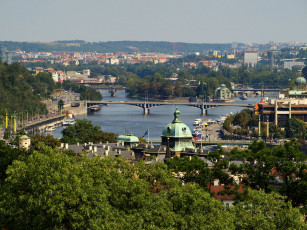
(66, 145)
(84, 144)
(119, 152)
(106, 153)
(62, 145)
(103, 146)
(95, 149)
(90, 147)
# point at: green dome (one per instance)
(176, 128)
(128, 138)
(300, 81)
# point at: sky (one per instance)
(195, 21)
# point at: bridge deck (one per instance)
(171, 103)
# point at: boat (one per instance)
(50, 128)
(220, 119)
(197, 122)
(243, 97)
(69, 122)
(94, 108)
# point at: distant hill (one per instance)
(113, 46)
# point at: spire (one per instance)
(176, 116)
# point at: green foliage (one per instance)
(84, 131)
(240, 123)
(258, 210)
(290, 164)
(282, 169)
(113, 46)
(21, 91)
(46, 140)
(52, 190)
(60, 105)
(259, 162)
(194, 169)
(295, 128)
(7, 155)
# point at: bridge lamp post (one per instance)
(259, 126)
(267, 126)
(27, 116)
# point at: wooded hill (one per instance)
(113, 46)
(21, 91)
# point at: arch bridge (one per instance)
(147, 105)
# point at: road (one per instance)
(212, 132)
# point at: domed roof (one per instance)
(24, 137)
(176, 128)
(300, 81)
(130, 138)
(223, 85)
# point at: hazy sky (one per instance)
(202, 21)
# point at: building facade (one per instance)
(291, 104)
(222, 93)
(250, 58)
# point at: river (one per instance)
(118, 118)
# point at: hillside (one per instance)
(113, 46)
(20, 91)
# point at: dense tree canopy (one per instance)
(51, 190)
(21, 91)
(84, 131)
(282, 169)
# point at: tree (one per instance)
(84, 131)
(258, 210)
(51, 190)
(295, 128)
(47, 140)
(7, 155)
(194, 169)
(259, 162)
(60, 105)
(291, 167)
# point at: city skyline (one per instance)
(175, 21)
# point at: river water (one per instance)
(118, 118)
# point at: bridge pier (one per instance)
(204, 111)
(146, 111)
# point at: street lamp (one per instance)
(259, 127)
(27, 116)
(267, 126)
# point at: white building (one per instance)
(250, 58)
(291, 64)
